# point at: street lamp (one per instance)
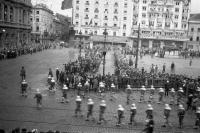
(137, 49)
(105, 33)
(80, 47)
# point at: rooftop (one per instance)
(195, 17)
(43, 7)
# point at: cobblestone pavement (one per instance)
(16, 111)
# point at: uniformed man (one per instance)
(101, 88)
(167, 111)
(79, 88)
(38, 97)
(133, 113)
(112, 92)
(24, 86)
(181, 114)
(128, 94)
(161, 94)
(142, 94)
(52, 86)
(49, 79)
(86, 87)
(64, 91)
(102, 111)
(179, 95)
(78, 106)
(197, 122)
(120, 113)
(152, 92)
(172, 96)
(90, 109)
(149, 111)
(57, 74)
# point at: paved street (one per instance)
(16, 111)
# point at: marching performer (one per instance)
(167, 111)
(197, 122)
(102, 111)
(90, 109)
(133, 113)
(161, 94)
(181, 114)
(24, 86)
(179, 95)
(79, 88)
(78, 106)
(172, 96)
(49, 80)
(86, 87)
(149, 111)
(120, 112)
(101, 88)
(38, 97)
(64, 91)
(128, 92)
(52, 86)
(152, 92)
(112, 91)
(142, 94)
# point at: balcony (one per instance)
(86, 10)
(86, 17)
(15, 25)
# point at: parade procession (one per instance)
(99, 66)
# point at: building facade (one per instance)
(15, 26)
(194, 33)
(42, 23)
(162, 22)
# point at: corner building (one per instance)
(15, 26)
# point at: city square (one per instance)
(99, 66)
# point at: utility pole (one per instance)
(137, 49)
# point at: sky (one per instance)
(55, 5)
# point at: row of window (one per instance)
(197, 38)
(192, 29)
(8, 14)
(115, 18)
(96, 10)
(96, 32)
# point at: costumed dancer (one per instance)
(24, 86)
(38, 97)
(179, 95)
(167, 111)
(181, 114)
(101, 88)
(86, 87)
(133, 113)
(102, 111)
(149, 111)
(90, 109)
(161, 94)
(142, 94)
(120, 112)
(172, 96)
(78, 106)
(197, 122)
(64, 91)
(128, 92)
(152, 92)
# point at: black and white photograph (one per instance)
(99, 66)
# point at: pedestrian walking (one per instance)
(197, 121)
(128, 94)
(181, 115)
(50, 72)
(57, 74)
(102, 111)
(164, 68)
(24, 86)
(23, 73)
(189, 101)
(90, 109)
(38, 97)
(167, 111)
(133, 112)
(190, 63)
(78, 110)
(64, 96)
(172, 68)
(120, 113)
(167, 88)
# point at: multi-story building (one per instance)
(15, 26)
(161, 21)
(42, 23)
(194, 32)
